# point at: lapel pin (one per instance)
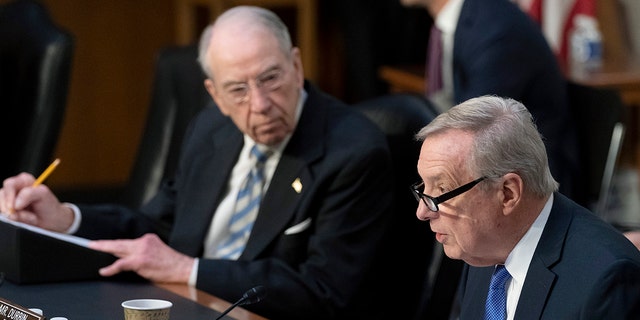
(297, 185)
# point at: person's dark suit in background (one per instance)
(324, 211)
(564, 261)
(497, 49)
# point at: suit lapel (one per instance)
(209, 175)
(540, 277)
(279, 207)
(282, 200)
(536, 289)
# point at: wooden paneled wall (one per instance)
(111, 79)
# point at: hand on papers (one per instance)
(34, 205)
(148, 256)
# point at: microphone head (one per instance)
(253, 295)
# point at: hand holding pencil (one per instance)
(35, 204)
(8, 197)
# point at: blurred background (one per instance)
(344, 46)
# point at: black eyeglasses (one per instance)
(432, 202)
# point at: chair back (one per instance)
(411, 279)
(178, 93)
(35, 67)
(598, 115)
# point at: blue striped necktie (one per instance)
(246, 208)
(496, 305)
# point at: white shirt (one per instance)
(446, 22)
(518, 261)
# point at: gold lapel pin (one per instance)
(297, 185)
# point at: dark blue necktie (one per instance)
(496, 305)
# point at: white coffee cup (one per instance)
(146, 309)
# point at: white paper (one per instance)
(61, 236)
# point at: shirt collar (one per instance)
(448, 16)
(518, 261)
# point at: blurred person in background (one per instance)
(480, 47)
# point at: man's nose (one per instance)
(424, 213)
(259, 99)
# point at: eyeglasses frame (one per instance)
(443, 197)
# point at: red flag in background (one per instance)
(556, 18)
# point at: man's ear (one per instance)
(512, 190)
(297, 64)
(211, 89)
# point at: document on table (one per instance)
(61, 236)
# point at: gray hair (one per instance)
(506, 140)
(259, 16)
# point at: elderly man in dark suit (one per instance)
(324, 176)
(491, 200)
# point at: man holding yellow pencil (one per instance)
(324, 175)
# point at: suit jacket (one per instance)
(582, 269)
(499, 50)
(311, 248)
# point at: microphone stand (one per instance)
(237, 303)
(253, 295)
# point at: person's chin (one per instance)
(269, 139)
(453, 252)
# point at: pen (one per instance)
(46, 173)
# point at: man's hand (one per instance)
(148, 256)
(37, 205)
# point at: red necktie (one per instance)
(434, 66)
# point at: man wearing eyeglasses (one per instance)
(489, 197)
(323, 179)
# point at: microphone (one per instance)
(253, 295)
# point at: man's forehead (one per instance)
(451, 143)
(446, 151)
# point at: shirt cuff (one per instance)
(193, 277)
(77, 218)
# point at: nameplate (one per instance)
(12, 311)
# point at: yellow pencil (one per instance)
(46, 172)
